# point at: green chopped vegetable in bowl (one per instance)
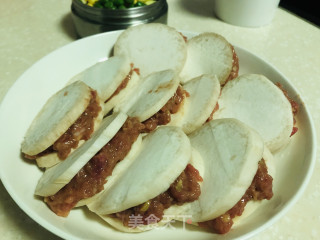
(117, 4)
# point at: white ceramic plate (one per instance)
(294, 164)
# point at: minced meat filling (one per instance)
(216, 108)
(235, 66)
(163, 116)
(124, 82)
(260, 188)
(184, 37)
(184, 189)
(80, 130)
(91, 178)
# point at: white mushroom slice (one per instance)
(56, 116)
(105, 76)
(259, 103)
(208, 53)
(152, 47)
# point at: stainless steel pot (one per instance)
(90, 20)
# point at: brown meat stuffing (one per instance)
(91, 178)
(235, 66)
(124, 82)
(216, 108)
(184, 37)
(260, 188)
(163, 117)
(184, 189)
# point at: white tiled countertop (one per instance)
(31, 29)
